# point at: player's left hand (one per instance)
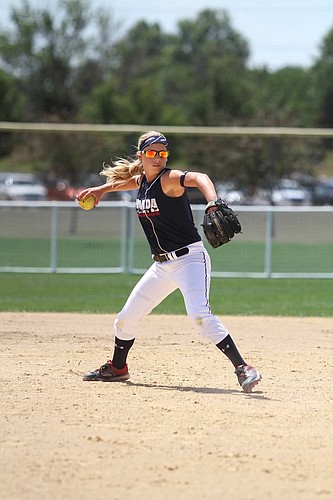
(220, 223)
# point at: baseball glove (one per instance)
(221, 225)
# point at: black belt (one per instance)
(163, 257)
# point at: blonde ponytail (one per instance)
(123, 170)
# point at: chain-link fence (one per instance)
(60, 237)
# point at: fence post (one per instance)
(53, 241)
(269, 241)
(124, 237)
(131, 239)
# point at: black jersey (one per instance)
(167, 222)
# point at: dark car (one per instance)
(61, 190)
(323, 193)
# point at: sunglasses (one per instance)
(152, 154)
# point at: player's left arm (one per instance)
(197, 180)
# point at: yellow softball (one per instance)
(88, 203)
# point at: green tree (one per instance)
(56, 60)
(70, 66)
(133, 92)
(53, 56)
(205, 78)
(196, 76)
(287, 97)
(323, 69)
(205, 68)
(11, 100)
(11, 104)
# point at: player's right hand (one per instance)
(94, 191)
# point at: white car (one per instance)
(16, 186)
(290, 192)
(230, 194)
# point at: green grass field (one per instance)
(239, 257)
(96, 293)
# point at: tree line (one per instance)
(76, 65)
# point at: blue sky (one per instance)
(279, 32)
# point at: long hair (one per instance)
(123, 169)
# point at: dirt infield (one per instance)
(181, 428)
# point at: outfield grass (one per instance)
(240, 257)
(96, 293)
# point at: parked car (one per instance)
(231, 194)
(323, 193)
(289, 192)
(17, 186)
(61, 190)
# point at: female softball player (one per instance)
(180, 258)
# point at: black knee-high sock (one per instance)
(121, 348)
(228, 347)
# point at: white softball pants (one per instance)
(190, 273)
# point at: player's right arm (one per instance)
(99, 191)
